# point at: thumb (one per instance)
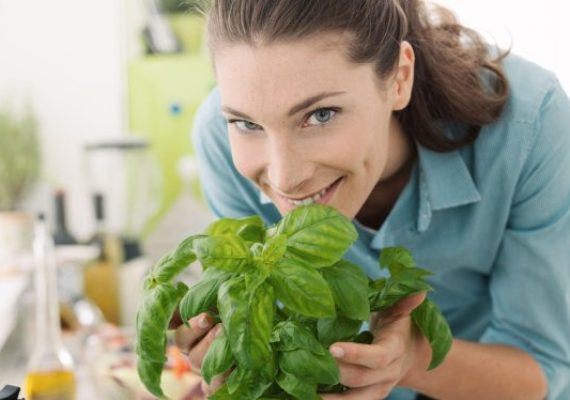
(403, 308)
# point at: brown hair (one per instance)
(450, 59)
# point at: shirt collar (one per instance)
(444, 182)
(263, 198)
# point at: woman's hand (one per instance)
(398, 350)
(195, 342)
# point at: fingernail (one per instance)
(337, 352)
(203, 322)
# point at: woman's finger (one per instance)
(217, 381)
(199, 350)
(401, 309)
(185, 338)
(356, 376)
(374, 356)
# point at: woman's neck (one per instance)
(386, 192)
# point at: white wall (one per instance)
(66, 56)
(538, 31)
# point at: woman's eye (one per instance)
(246, 125)
(321, 116)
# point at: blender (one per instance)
(124, 172)
(124, 175)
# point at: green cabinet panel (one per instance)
(164, 94)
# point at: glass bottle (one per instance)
(101, 278)
(50, 369)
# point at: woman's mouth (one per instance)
(322, 197)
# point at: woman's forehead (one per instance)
(315, 54)
(285, 72)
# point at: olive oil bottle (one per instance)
(50, 373)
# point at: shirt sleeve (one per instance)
(227, 193)
(530, 281)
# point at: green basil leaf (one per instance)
(252, 233)
(179, 259)
(151, 280)
(233, 225)
(203, 295)
(404, 283)
(218, 359)
(302, 289)
(339, 329)
(375, 289)
(256, 249)
(234, 379)
(396, 258)
(290, 335)
(274, 392)
(257, 275)
(172, 264)
(435, 328)
(248, 320)
(150, 374)
(274, 249)
(317, 234)
(310, 367)
(153, 316)
(242, 384)
(222, 393)
(297, 387)
(338, 388)
(349, 286)
(377, 285)
(226, 252)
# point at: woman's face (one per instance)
(307, 125)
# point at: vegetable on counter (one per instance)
(283, 295)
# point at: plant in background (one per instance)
(283, 295)
(19, 157)
(186, 19)
(180, 6)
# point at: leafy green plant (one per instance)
(283, 295)
(19, 157)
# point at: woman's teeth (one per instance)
(309, 200)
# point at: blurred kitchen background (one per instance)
(96, 106)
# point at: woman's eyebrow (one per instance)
(294, 110)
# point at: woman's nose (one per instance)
(289, 169)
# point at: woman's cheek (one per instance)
(247, 159)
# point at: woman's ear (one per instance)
(403, 78)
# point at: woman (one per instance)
(409, 124)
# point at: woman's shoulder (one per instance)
(533, 130)
(536, 100)
(529, 87)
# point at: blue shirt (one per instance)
(492, 221)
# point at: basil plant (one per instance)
(283, 294)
